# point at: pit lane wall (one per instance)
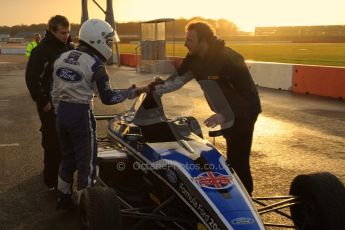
(307, 79)
(12, 51)
(271, 75)
(319, 80)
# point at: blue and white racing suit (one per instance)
(78, 74)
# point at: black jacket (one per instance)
(40, 66)
(228, 70)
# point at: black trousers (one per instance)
(50, 144)
(239, 142)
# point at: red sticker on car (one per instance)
(213, 180)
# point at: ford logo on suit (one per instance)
(68, 75)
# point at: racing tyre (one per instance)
(194, 126)
(99, 208)
(323, 202)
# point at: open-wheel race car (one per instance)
(159, 173)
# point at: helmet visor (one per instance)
(111, 38)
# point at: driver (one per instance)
(78, 74)
(209, 60)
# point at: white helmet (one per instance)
(99, 35)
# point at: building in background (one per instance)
(338, 30)
(4, 37)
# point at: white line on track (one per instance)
(9, 145)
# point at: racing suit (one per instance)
(224, 70)
(39, 81)
(78, 74)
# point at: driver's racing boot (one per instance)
(64, 201)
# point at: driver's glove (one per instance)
(157, 81)
(132, 92)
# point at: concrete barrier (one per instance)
(319, 80)
(12, 51)
(165, 66)
(271, 75)
(129, 60)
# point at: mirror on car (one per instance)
(133, 137)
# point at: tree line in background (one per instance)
(222, 28)
(28, 30)
(130, 31)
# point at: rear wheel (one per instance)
(99, 209)
(323, 202)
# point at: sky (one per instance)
(246, 14)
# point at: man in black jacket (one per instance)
(39, 82)
(228, 88)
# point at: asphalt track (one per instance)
(295, 134)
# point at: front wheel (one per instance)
(99, 208)
(323, 202)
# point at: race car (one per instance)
(159, 173)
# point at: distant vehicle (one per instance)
(15, 40)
